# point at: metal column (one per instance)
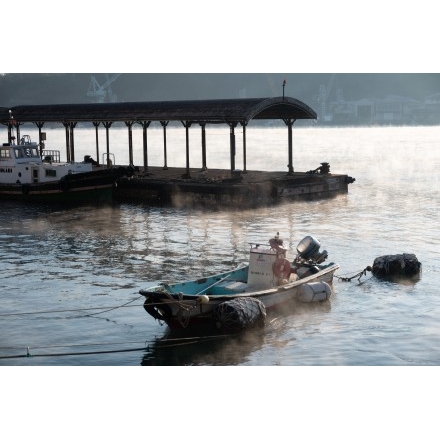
(203, 125)
(40, 136)
(66, 126)
(187, 124)
(107, 125)
(129, 124)
(96, 124)
(145, 125)
(232, 126)
(289, 123)
(244, 124)
(164, 125)
(72, 125)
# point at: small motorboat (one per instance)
(28, 172)
(239, 298)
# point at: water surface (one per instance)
(85, 265)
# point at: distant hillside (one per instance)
(57, 88)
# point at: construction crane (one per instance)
(100, 92)
(324, 93)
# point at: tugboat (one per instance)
(30, 174)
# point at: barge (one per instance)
(216, 188)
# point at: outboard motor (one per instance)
(308, 250)
(308, 257)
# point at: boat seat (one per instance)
(227, 288)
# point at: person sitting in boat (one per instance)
(277, 243)
(89, 159)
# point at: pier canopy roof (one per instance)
(215, 111)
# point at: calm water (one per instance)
(70, 277)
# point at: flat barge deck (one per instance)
(215, 188)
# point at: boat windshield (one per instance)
(26, 151)
(5, 153)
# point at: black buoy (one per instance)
(397, 266)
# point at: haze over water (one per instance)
(77, 260)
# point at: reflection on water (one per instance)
(186, 349)
(190, 347)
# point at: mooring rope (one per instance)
(75, 353)
(104, 309)
(183, 315)
(109, 309)
(358, 275)
(165, 343)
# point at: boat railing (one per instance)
(257, 245)
(51, 156)
(108, 159)
(26, 140)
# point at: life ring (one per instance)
(281, 268)
(161, 312)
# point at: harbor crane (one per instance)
(324, 93)
(102, 91)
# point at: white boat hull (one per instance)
(180, 310)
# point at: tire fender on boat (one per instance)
(238, 314)
(281, 268)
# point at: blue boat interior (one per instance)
(226, 283)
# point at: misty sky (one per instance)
(232, 36)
